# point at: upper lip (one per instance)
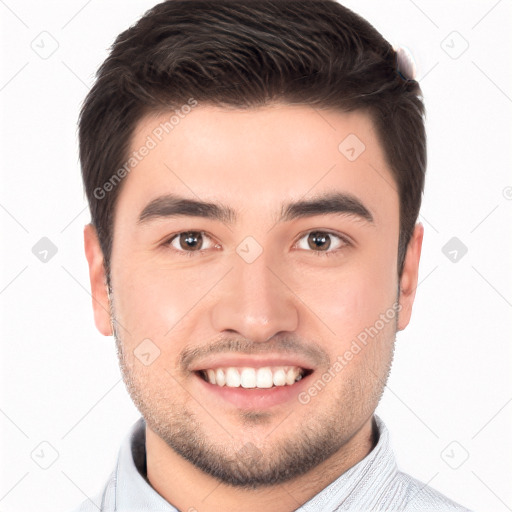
(253, 361)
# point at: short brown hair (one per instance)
(246, 54)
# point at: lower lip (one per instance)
(256, 398)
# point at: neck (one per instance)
(189, 489)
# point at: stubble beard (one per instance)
(321, 435)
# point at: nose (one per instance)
(255, 302)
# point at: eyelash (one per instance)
(191, 254)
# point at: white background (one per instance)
(451, 376)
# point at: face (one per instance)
(255, 332)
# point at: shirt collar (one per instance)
(133, 490)
(355, 487)
(363, 485)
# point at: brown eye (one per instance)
(320, 242)
(190, 242)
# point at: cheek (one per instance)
(155, 300)
(350, 300)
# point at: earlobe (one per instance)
(99, 292)
(409, 278)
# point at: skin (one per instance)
(253, 161)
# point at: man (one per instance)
(254, 172)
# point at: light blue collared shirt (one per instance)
(374, 484)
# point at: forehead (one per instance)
(256, 159)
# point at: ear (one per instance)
(409, 279)
(99, 291)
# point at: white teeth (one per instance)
(264, 378)
(220, 377)
(279, 378)
(211, 376)
(290, 376)
(232, 378)
(249, 378)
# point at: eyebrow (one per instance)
(171, 205)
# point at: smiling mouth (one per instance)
(254, 378)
